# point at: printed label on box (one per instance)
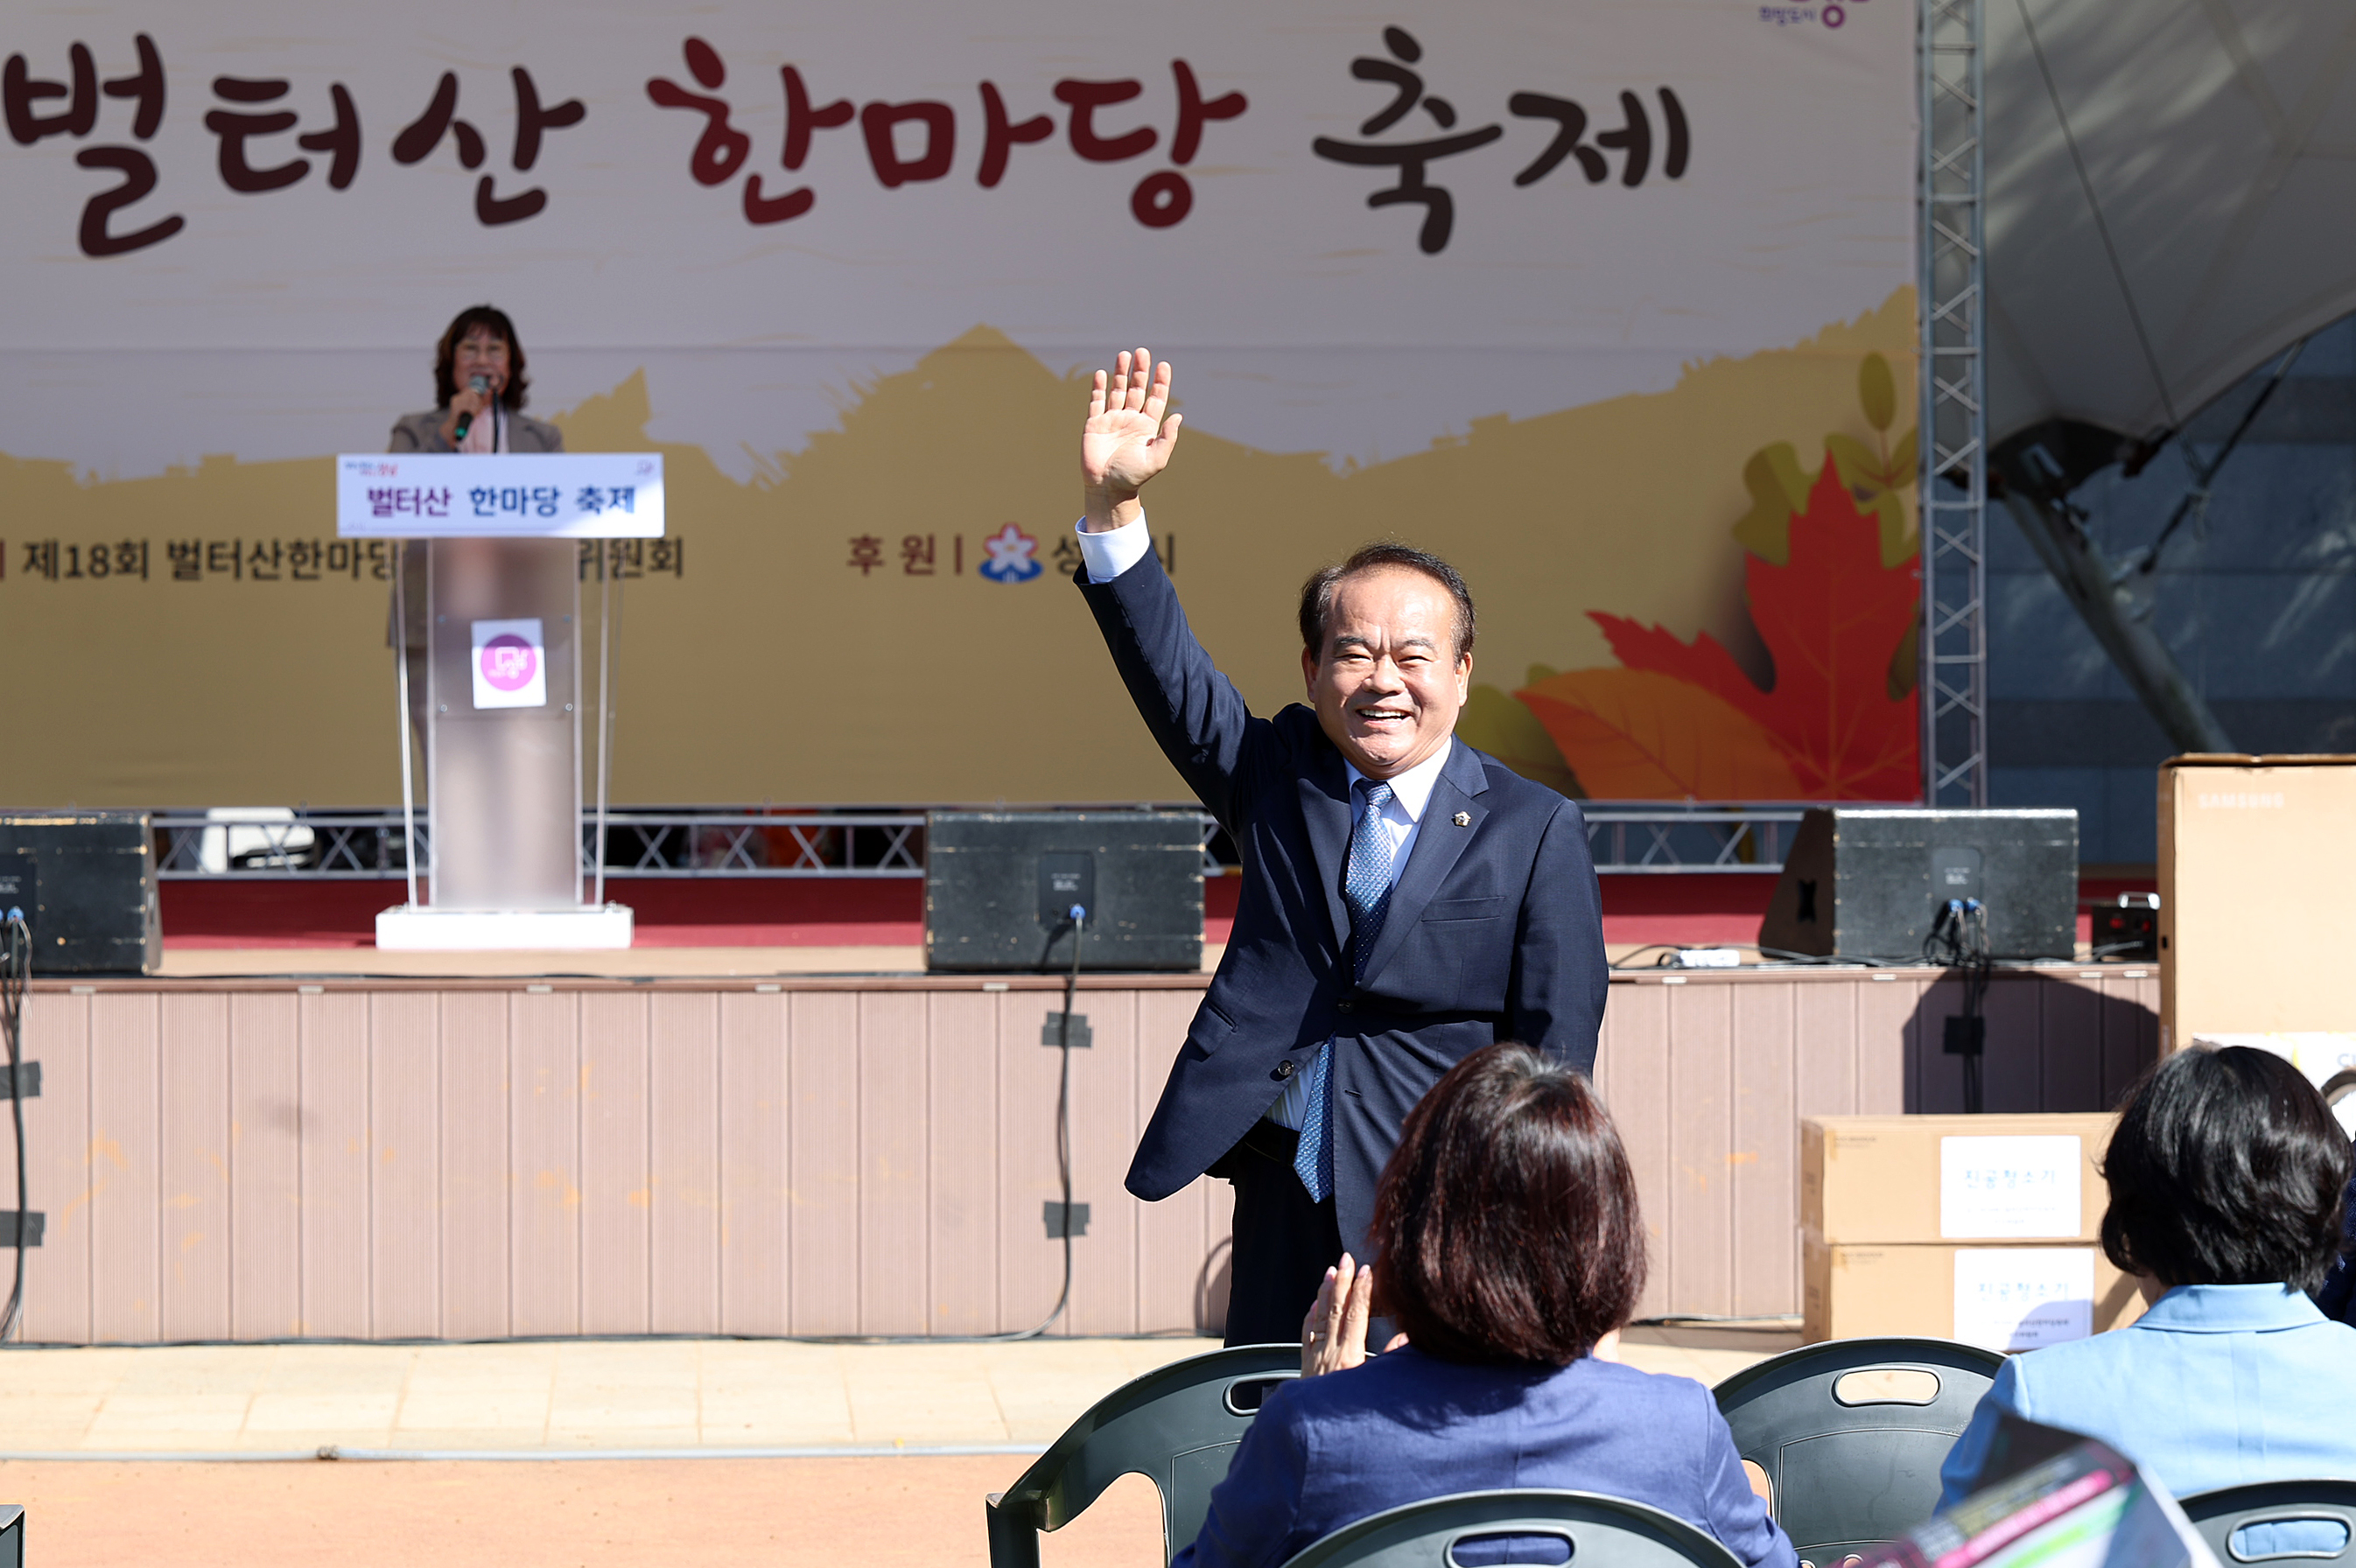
(2007, 1188)
(511, 664)
(2020, 1298)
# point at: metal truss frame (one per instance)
(748, 842)
(1953, 485)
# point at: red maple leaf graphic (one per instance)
(1831, 618)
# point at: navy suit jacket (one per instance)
(1494, 930)
(1325, 1452)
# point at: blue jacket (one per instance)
(1326, 1450)
(1494, 930)
(2215, 1386)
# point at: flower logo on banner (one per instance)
(1011, 553)
(509, 662)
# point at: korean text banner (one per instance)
(1610, 303)
(536, 495)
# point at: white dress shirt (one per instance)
(1109, 554)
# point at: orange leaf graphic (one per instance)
(1634, 734)
(1831, 616)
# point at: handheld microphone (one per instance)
(466, 420)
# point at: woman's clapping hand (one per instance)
(1333, 1335)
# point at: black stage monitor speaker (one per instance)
(1868, 881)
(86, 881)
(998, 884)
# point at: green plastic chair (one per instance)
(1851, 1475)
(1176, 1426)
(2219, 1515)
(12, 1536)
(1600, 1531)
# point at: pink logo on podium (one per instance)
(509, 662)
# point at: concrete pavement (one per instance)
(574, 1397)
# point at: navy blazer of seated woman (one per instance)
(1325, 1452)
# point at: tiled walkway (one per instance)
(671, 1396)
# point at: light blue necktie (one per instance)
(1366, 888)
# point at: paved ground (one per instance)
(578, 1401)
(612, 1396)
(721, 1514)
(630, 1396)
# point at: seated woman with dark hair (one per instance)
(1508, 1244)
(2225, 1173)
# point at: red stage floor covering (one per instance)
(1696, 908)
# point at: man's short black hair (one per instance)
(1317, 593)
(2226, 1168)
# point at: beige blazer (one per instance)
(423, 432)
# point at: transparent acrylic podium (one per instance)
(500, 713)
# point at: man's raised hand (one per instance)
(1126, 441)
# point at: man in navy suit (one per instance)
(1406, 899)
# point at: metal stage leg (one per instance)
(400, 682)
(1954, 490)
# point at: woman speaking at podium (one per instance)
(478, 394)
(478, 390)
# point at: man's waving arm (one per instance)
(1195, 713)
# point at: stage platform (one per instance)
(734, 928)
(257, 913)
(289, 1155)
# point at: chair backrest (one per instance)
(1600, 1531)
(1176, 1426)
(2303, 1516)
(1851, 1434)
(12, 1535)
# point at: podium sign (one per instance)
(524, 495)
(490, 678)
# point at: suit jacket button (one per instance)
(1283, 1071)
(1345, 1005)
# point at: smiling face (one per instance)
(1389, 682)
(482, 352)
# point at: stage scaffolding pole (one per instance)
(1953, 485)
(606, 711)
(400, 688)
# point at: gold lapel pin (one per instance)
(1463, 820)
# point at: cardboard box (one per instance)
(2005, 1298)
(2256, 867)
(1954, 1178)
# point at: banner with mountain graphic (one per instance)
(1611, 304)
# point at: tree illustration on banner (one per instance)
(1833, 586)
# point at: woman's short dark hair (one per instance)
(1317, 593)
(445, 355)
(2226, 1168)
(1506, 1227)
